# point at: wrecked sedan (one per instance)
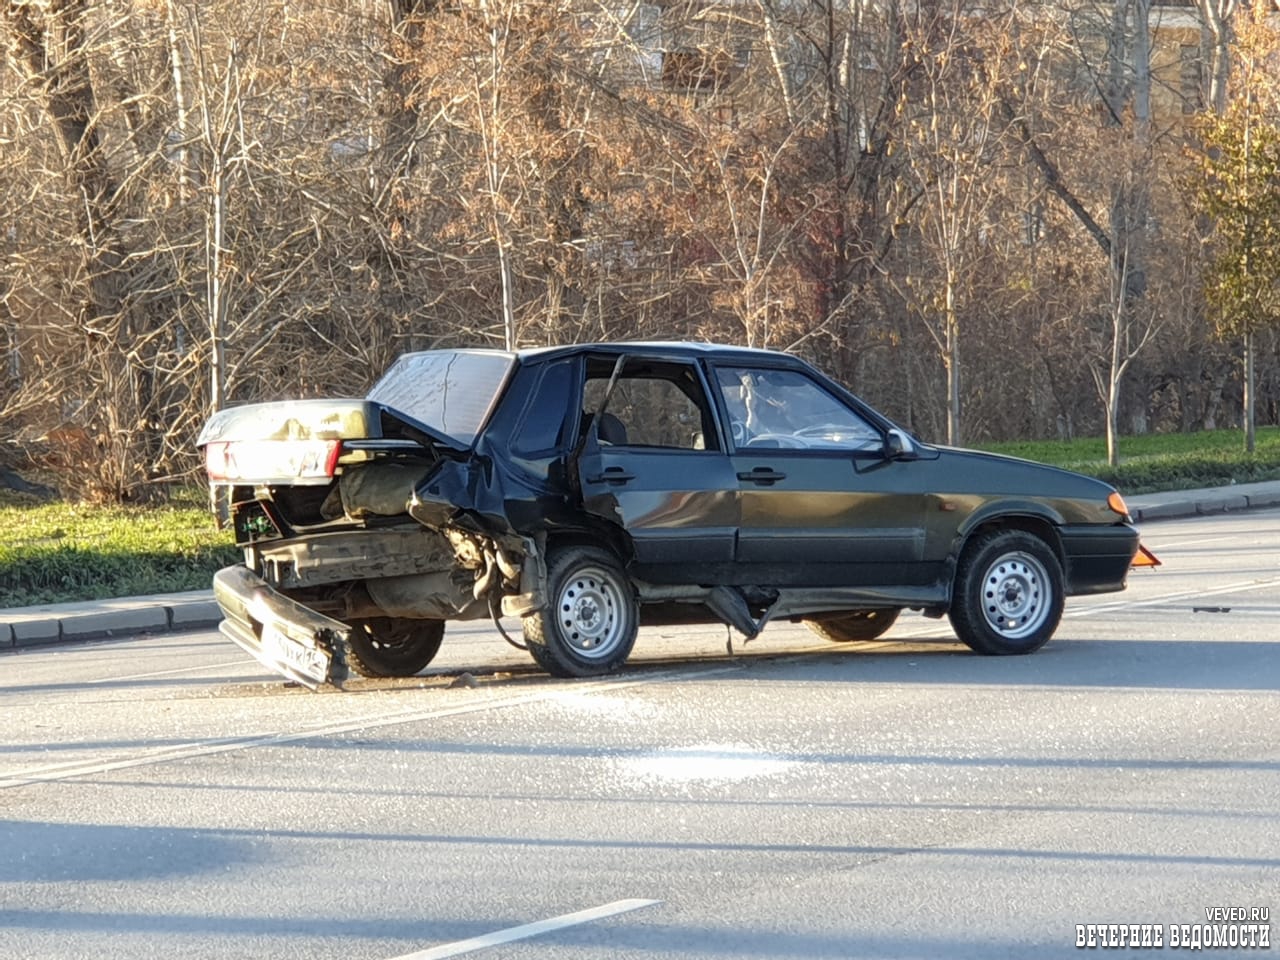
(585, 489)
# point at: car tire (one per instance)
(1008, 593)
(854, 626)
(393, 646)
(588, 626)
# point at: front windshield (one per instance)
(451, 391)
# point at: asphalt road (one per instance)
(163, 797)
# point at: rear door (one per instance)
(821, 504)
(654, 463)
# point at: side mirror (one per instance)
(898, 446)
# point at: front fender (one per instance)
(1031, 515)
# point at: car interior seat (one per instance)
(612, 430)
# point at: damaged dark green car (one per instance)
(585, 489)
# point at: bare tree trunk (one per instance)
(13, 361)
(216, 304)
(1116, 93)
(178, 73)
(62, 63)
(1215, 20)
(1250, 394)
(491, 134)
(1115, 374)
(778, 59)
(953, 376)
(407, 20)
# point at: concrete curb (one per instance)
(124, 617)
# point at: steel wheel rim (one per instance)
(1016, 595)
(389, 641)
(592, 613)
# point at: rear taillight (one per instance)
(271, 461)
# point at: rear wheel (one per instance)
(857, 625)
(1008, 593)
(393, 646)
(589, 624)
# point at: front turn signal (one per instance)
(1144, 558)
(1116, 503)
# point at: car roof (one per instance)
(682, 349)
(673, 349)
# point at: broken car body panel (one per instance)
(686, 480)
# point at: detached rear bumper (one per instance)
(280, 633)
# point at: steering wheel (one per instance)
(820, 430)
(842, 438)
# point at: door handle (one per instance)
(763, 475)
(612, 475)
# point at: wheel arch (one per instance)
(530, 594)
(1043, 524)
(602, 534)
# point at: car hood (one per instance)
(985, 472)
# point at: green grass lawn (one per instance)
(53, 552)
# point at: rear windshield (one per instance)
(451, 391)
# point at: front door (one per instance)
(821, 503)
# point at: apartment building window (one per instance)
(645, 31)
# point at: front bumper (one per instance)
(279, 632)
(1098, 558)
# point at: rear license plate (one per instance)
(299, 658)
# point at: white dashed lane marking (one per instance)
(527, 930)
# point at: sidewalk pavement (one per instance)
(1176, 504)
(132, 616)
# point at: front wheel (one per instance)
(393, 646)
(1008, 593)
(853, 626)
(588, 626)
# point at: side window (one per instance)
(653, 405)
(785, 408)
(542, 423)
